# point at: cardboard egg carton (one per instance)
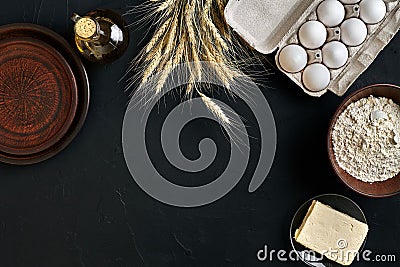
(270, 25)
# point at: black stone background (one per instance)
(82, 208)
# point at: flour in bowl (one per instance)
(366, 139)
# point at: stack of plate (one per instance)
(44, 94)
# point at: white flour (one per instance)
(366, 139)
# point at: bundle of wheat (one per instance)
(189, 31)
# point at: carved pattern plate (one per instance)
(44, 93)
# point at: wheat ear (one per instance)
(209, 24)
(215, 109)
(164, 76)
(159, 33)
(189, 14)
(163, 6)
(151, 67)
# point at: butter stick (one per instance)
(331, 233)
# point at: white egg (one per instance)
(316, 77)
(331, 13)
(372, 11)
(349, 1)
(335, 55)
(353, 32)
(293, 58)
(312, 34)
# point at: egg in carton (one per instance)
(322, 45)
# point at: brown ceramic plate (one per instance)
(44, 94)
(380, 189)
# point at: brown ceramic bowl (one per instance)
(379, 189)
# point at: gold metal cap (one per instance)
(86, 28)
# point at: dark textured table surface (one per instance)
(82, 208)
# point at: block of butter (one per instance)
(331, 233)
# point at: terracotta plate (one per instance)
(44, 93)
